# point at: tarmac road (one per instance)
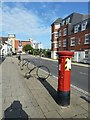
(79, 74)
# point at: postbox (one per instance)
(64, 71)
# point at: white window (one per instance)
(56, 35)
(63, 22)
(60, 33)
(59, 43)
(72, 41)
(64, 31)
(84, 25)
(57, 26)
(67, 20)
(86, 53)
(56, 45)
(87, 39)
(64, 43)
(76, 29)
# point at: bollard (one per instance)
(64, 71)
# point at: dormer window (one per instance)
(76, 28)
(63, 22)
(67, 20)
(84, 25)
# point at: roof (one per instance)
(26, 41)
(59, 20)
(72, 14)
(75, 17)
(86, 16)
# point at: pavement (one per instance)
(34, 98)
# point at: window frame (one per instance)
(83, 27)
(56, 35)
(64, 41)
(74, 41)
(64, 30)
(55, 45)
(59, 43)
(85, 39)
(63, 22)
(86, 53)
(57, 26)
(76, 29)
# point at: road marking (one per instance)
(79, 89)
(84, 73)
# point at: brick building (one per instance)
(71, 33)
(17, 42)
(21, 43)
(25, 43)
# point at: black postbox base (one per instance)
(64, 98)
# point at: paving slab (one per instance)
(36, 98)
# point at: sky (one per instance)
(33, 19)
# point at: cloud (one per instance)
(0, 19)
(19, 20)
(44, 1)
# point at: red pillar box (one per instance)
(64, 61)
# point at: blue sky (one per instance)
(33, 19)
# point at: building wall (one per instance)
(80, 48)
(25, 43)
(54, 41)
(13, 43)
(4, 50)
(16, 45)
(53, 54)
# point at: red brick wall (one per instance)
(80, 46)
(25, 43)
(77, 46)
(16, 44)
(53, 28)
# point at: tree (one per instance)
(28, 48)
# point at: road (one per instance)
(79, 74)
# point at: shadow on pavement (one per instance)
(2, 59)
(50, 89)
(15, 111)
